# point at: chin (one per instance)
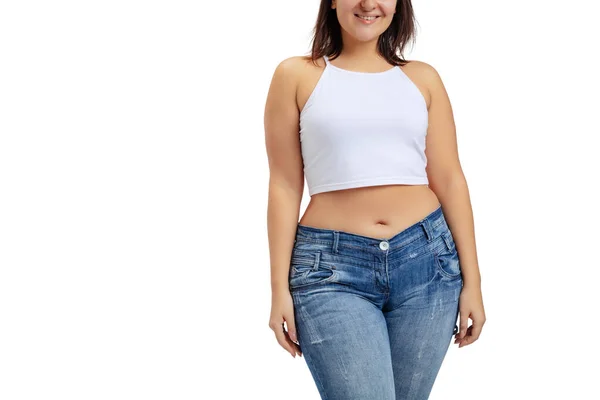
(366, 38)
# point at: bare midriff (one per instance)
(375, 211)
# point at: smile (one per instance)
(366, 20)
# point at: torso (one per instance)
(374, 211)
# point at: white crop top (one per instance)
(363, 129)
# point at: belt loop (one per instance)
(317, 259)
(426, 224)
(336, 238)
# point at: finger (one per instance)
(476, 328)
(293, 334)
(466, 334)
(474, 332)
(284, 341)
(293, 344)
(291, 327)
(464, 320)
(297, 348)
(468, 338)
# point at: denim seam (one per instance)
(316, 241)
(402, 245)
(319, 282)
(357, 261)
(448, 240)
(325, 242)
(417, 290)
(439, 222)
(439, 265)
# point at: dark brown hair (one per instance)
(327, 34)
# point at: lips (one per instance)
(361, 15)
(367, 21)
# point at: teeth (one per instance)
(367, 18)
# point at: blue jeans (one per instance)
(375, 317)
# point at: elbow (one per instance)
(291, 190)
(450, 180)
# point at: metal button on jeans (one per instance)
(384, 245)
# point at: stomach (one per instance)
(378, 212)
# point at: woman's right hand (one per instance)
(282, 309)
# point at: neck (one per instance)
(358, 50)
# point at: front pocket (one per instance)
(307, 269)
(447, 259)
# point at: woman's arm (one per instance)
(448, 182)
(446, 177)
(286, 182)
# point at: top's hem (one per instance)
(366, 183)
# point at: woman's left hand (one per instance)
(470, 306)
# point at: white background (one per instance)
(133, 195)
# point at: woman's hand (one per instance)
(282, 309)
(470, 305)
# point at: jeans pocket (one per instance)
(306, 269)
(447, 259)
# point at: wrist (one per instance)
(473, 284)
(278, 287)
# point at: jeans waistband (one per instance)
(430, 227)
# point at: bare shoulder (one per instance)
(297, 76)
(284, 84)
(290, 73)
(286, 71)
(425, 76)
(424, 70)
(292, 68)
(305, 62)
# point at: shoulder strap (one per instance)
(326, 60)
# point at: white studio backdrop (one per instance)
(133, 193)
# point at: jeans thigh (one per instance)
(344, 341)
(419, 340)
(421, 315)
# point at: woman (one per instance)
(369, 281)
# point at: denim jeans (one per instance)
(375, 317)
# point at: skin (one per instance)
(378, 211)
